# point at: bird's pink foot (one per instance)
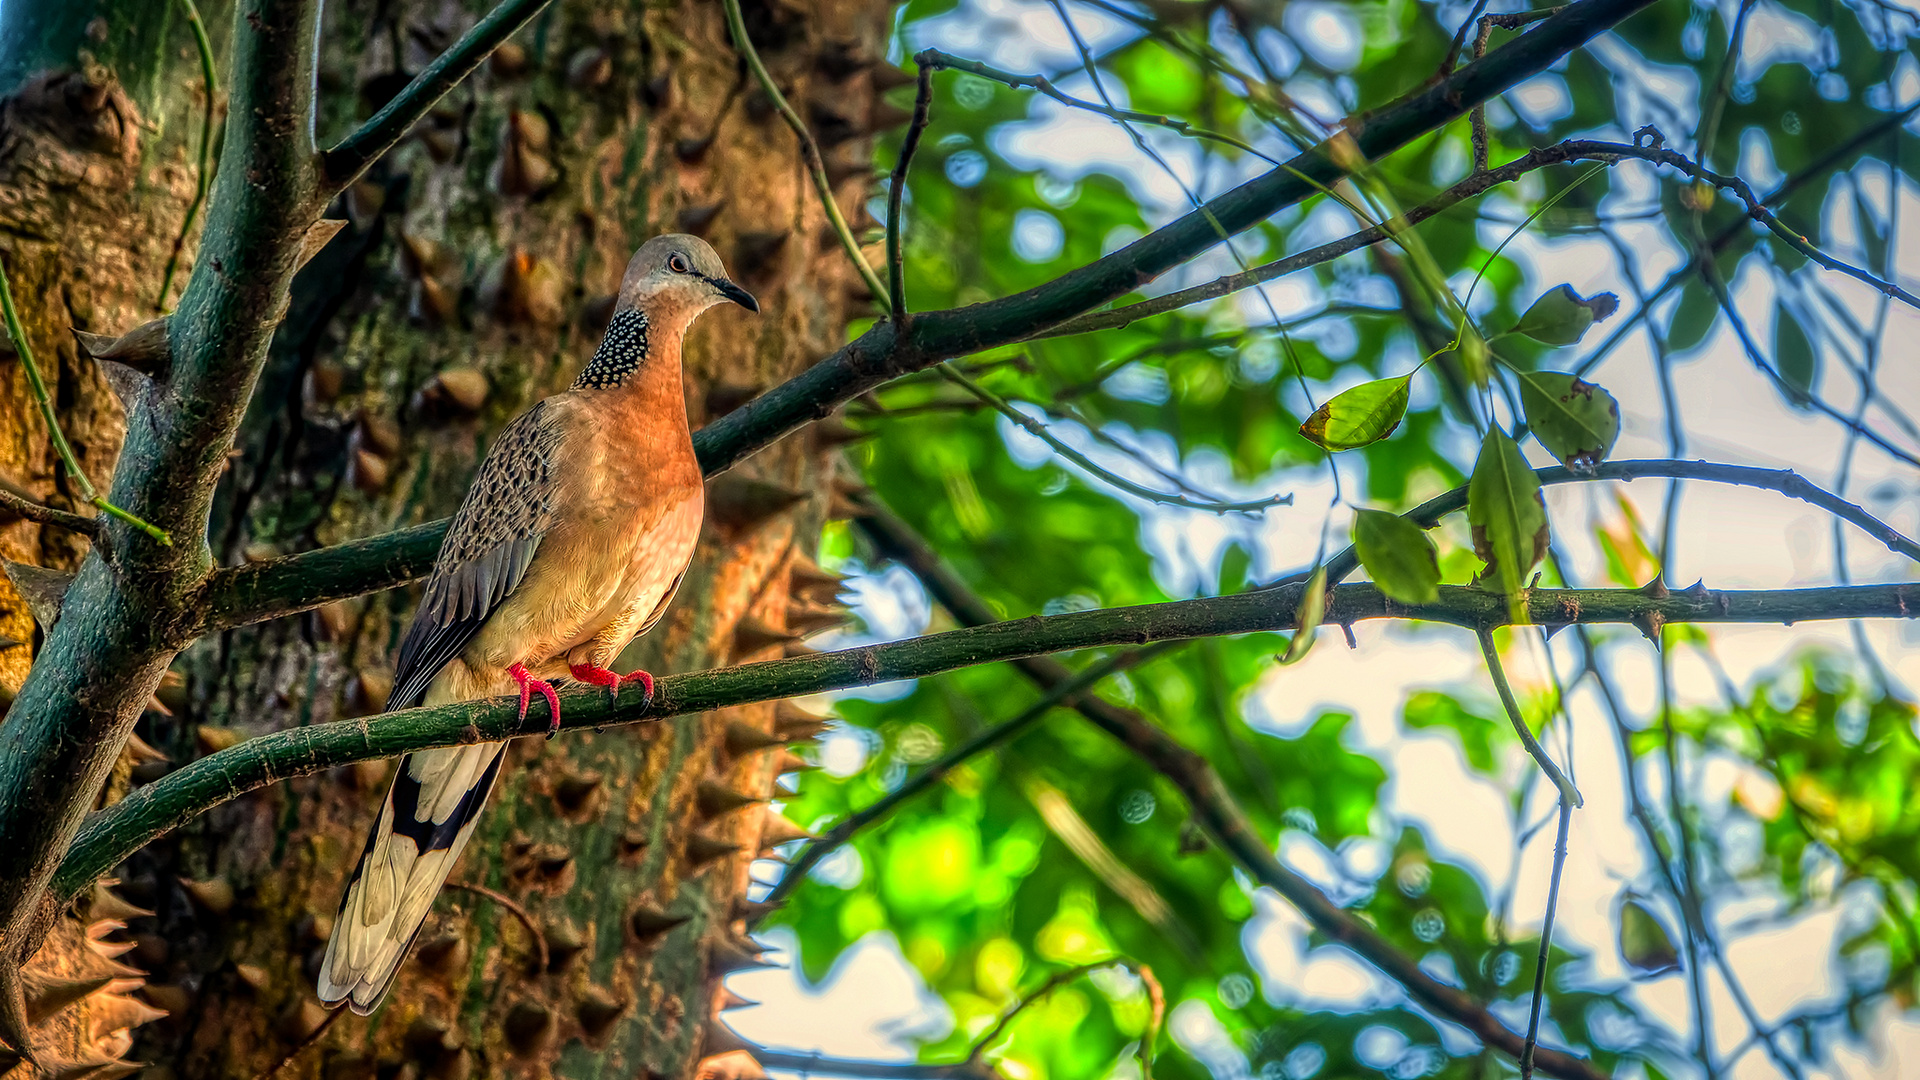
(528, 684)
(599, 676)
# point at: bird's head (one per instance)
(675, 277)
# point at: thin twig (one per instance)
(809, 152)
(935, 59)
(1569, 795)
(18, 335)
(47, 515)
(1039, 431)
(513, 907)
(896, 271)
(1546, 944)
(203, 172)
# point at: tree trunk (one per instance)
(473, 278)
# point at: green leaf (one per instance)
(1693, 316)
(1508, 516)
(1644, 942)
(1313, 606)
(1561, 316)
(1575, 420)
(1794, 356)
(1398, 555)
(1365, 414)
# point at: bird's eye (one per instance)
(677, 263)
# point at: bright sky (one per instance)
(872, 1005)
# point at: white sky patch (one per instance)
(871, 1004)
(1776, 35)
(1329, 32)
(1541, 100)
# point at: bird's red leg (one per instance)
(599, 676)
(528, 684)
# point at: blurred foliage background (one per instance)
(1781, 792)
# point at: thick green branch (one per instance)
(125, 623)
(347, 160)
(116, 832)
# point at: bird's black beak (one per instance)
(736, 294)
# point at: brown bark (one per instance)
(469, 283)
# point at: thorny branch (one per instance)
(111, 834)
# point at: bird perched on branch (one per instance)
(572, 540)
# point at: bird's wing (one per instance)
(437, 794)
(428, 816)
(487, 550)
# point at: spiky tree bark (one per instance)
(471, 279)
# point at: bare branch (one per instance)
(47, 515)
(897, 189)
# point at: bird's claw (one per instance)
(529, 684)
(599, 676)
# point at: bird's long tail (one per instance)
(426, 819)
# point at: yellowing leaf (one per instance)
(1509, 518)
(1645, 944)
(1398, 555)
(1313, 606)
(1575, 420)
(1561, 315)
(1365, 414)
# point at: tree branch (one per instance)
(99, 666)
(343, 164)
(295, 583)
(1215, 808)
(46, 515)
(112, 834)
(883, 353)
